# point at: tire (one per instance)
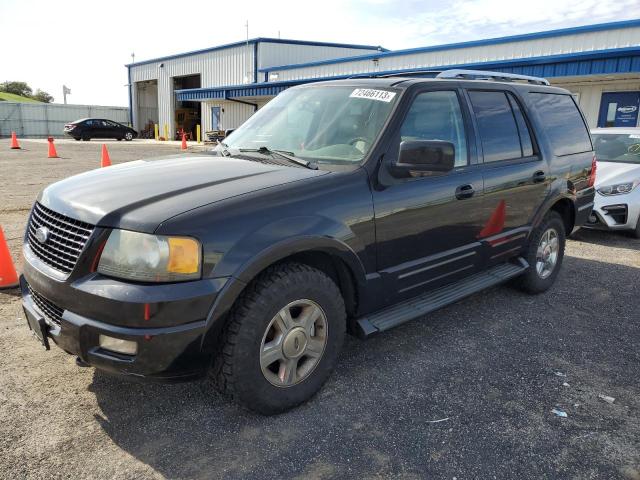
(128, 136)
(242, 372)
(536, 280)
(86, 138)
(77, 139)
(636, 232)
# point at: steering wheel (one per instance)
(634, 149)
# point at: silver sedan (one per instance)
(617, 202)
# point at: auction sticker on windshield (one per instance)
(372, 94)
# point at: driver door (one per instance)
(426, 227)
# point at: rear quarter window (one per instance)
(562, 123)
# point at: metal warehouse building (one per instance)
(221, 87)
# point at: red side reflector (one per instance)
(147, 312)
(96, 260)
(594, 167)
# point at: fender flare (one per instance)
(549, 203)
(268, 256)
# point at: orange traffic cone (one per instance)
(495, 224)
(105, 161)
(52, 149)
(8, 275)
(184, 141)
(14, 141)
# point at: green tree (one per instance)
(42, 96)
(17, 88)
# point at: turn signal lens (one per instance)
(592, 176)
(184, 255)
(150, 258)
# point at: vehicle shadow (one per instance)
(467, 390)
(609, 238)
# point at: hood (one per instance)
(140, 195)
(610, 173)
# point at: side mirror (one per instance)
(424, 158)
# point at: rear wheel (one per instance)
(281, 340)
(544, 254)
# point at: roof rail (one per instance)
(486, 75)
(411, 73)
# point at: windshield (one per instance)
(323, 124)
(622, 147)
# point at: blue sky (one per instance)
(85, 44)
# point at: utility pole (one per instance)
(65, 91)
(133, 57)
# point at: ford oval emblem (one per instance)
(42, 234)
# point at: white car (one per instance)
(617, 202)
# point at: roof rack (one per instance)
(411, 73)
(395, 74)
(496, 76)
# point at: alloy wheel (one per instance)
(547, 253)
(293, 343)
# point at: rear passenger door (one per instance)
(516, 177)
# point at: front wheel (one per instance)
(636, 232)
(128, 136)
(282, 339)
(544, 254)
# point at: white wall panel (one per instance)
(42, 120)
(275, 54)
(579, 42)
(230, 66)
(233, 115)
(591, 94)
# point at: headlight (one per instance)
(150, 258)
(618, 188)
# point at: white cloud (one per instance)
(85, 44)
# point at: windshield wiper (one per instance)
(284, 154)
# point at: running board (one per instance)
(428, 302)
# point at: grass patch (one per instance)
(12, 97)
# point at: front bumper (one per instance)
(615, 212)
(168, 332)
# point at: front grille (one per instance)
(67, 238)
(49, 309)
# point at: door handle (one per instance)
(539, 176)
(465, 191)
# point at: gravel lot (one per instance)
(465, 393)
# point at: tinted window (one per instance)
(437, 116)
(497, 126)
(523, 129)
(562, 122)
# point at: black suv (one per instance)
(88, 128)
(352, 205)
